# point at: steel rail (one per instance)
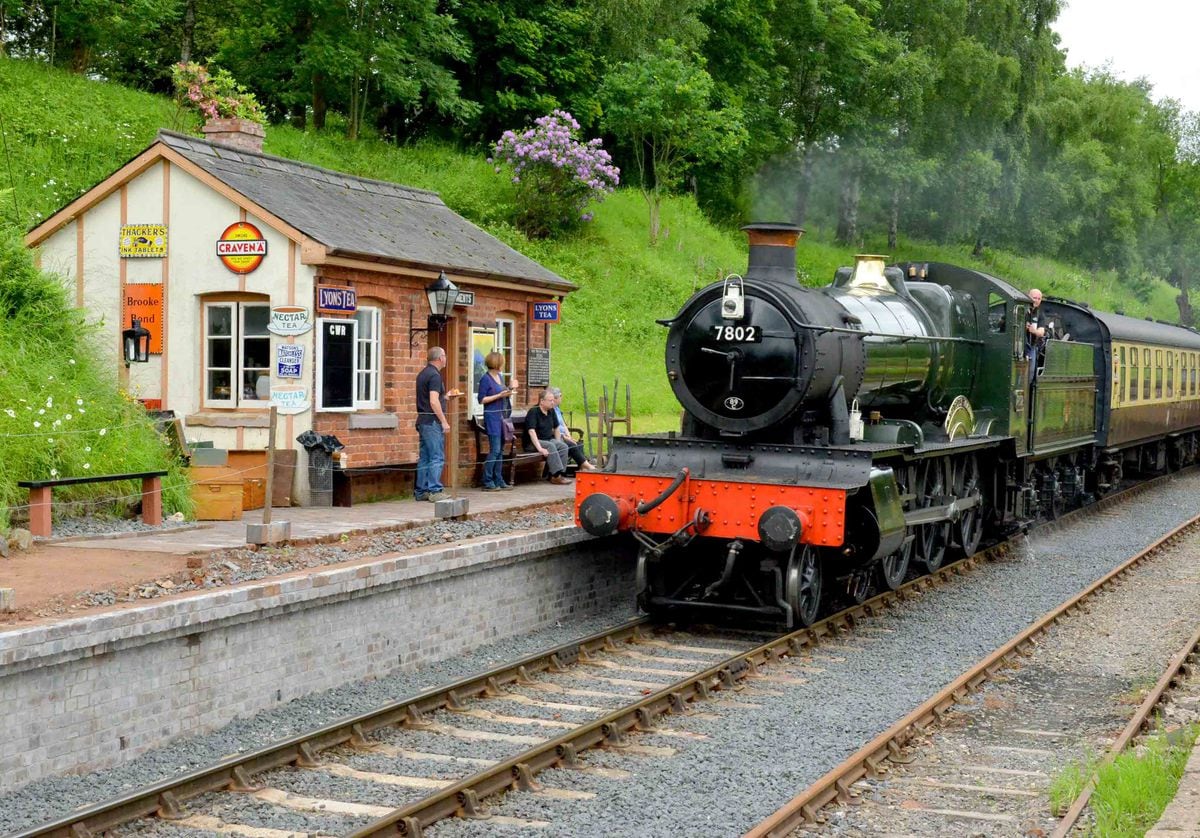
(835, 784)
(165, 798)
(1179, 665)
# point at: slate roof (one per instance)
(358, 217)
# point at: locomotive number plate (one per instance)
(737, 334)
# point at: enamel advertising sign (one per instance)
(340, 300)
(289, 360)
(143, 241)
(290, 400)
(545, 311)
(289, 320)
(242, 247)
(145, 302)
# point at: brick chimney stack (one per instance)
(242, 134)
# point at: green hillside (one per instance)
(64, 133)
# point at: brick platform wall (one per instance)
(94, 692)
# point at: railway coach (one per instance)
(833, 438)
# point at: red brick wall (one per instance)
(395, 295)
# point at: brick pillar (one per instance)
(152, 501)
(39, 511)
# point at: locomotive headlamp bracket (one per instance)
(733, 301)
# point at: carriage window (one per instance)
(1145, 373)
(1118, 375)
(1133, 375)
(1193, 373)
(1170, 375)
(1158, 373)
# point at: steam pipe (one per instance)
(649, 506)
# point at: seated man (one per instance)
(574, 447)
(542, 426)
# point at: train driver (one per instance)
(1035, 331)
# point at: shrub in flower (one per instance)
(215, 95)
(556, 174)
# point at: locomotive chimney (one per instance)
(772, 251)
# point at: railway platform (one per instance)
(362, 592)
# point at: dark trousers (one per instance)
(493, 466)
(575, 452)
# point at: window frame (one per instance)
(319, 368)
(1170, 374)
(508, 351)
(237, 366)
(1146, 383)
(376, 372)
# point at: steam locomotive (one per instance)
(835, 438)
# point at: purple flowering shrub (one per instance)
(214, 95)
(556, 174)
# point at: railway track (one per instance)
(407, 758)
(978, 760)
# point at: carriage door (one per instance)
(1020, 392)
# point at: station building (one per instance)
(263, 280)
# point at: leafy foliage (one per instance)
(661, 103)
(215, 95)
(557, 175)
(60, 411)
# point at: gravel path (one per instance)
(751, 760)
(93, 526)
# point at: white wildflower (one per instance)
(67, 417)
(79, 401)
(87, 465)
(81, 410)
(49, 440)
(57, 422)
(54, 472)
(87, 449)
(71, 361)
(12, 414)
(50, 401)
(41, 411)
(103, 431)
(36, 423)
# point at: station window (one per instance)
(237, 354)
(366, 394)
(1170, 375)
(348, 361)
(1146, 374)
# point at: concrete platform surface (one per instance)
(309, 523)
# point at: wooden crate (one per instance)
(254, 493)
(218, 500)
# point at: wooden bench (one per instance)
(516, 451)
(39, 496)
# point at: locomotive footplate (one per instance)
(830, 467)
(659, 485)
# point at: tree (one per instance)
(660, 106)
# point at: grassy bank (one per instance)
(60, 139)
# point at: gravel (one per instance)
(752, 760)
(92, 526)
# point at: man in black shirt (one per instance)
(431, 428)
(1035, 331)
(542, 425)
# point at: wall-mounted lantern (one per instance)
(442, 294)
(137, 343)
